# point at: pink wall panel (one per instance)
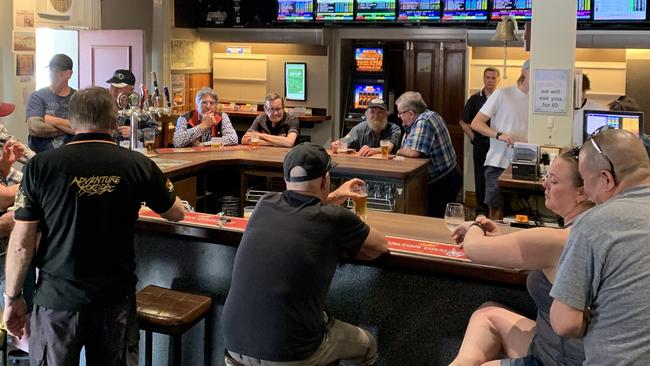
(101, 52)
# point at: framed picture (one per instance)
(25, 65)
(295, 81)
(24, 19)
(24, 41)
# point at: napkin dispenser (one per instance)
(525, 162)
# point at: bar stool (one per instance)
(171, 312)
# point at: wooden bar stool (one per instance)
(170, 312)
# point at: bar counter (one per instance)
(416, 306)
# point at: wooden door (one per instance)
(104, 51)
(437, 70)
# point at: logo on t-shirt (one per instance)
(169, 185)
(20, 198)
(96, 185)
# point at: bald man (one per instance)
(602, 286)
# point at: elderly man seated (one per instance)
(366, 136)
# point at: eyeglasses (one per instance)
(592, 138)
(399, 114)
(275, 110)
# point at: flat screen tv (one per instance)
(584, 9)
(369, 59)
(629, 121)
(336, 10)
(465, 10)
(372, 10)
(419, 10)
(364, 93)
(295, 81)
(295, 10)
(620, 10)
(518, 9)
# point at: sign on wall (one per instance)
(551, 91)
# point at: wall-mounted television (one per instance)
(584, 9)
(629, 121)
(336, 10)
(620, 10)
(295, 10)
(375, 10)
(465, 10)
(518, 9)
(295, 81)
(419, 10)
(364, 93)
(369, 59)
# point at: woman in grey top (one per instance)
(494, 330)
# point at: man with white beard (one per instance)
(366, 136)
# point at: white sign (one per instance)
(551, 91)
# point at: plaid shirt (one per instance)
(429, 136)
(184, 134)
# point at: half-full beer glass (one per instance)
(361, 202)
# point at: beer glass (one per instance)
(385, 148)
(343, 147)
(255, 138)
(149, 138)
(361, 203)
(248, 211)
(216, 142)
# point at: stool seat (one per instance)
(168, 311)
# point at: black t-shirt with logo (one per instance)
(85, 197)
(282, 273)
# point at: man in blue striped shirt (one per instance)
(427, 136)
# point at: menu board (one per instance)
(295, 10)
(518, 9)
(464, 10)
(609, 10)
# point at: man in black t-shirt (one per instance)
(84, 197)
(275, 127)
(284, 267)
(480, 143)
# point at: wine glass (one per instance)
(454, 216)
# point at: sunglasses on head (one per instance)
(592, 139)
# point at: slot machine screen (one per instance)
(336, 10)
(364, 93)
(419, 10)
(369, 59)
(465, 10)
(584, 9)
(295, 10)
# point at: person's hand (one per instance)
(6, 223)
(366, 151)
(246, 139)
(11, 152)
(458, 235)
(208, 121)
(507, 139)
(335, 144)
(346, 190)
(491, 227)
(15, 317)
(124, 131)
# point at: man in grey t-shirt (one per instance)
(47, 108)
(602, 287)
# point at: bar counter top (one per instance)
(180, 161)
(392, 224)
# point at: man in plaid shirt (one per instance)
(427, 136)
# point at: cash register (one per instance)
(525, 161)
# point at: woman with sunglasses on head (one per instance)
(494, 330)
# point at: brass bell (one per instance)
(507, 30)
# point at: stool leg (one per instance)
(176, 341)
(5, 350)
(207, 339)
(148, 345)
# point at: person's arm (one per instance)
(567, 321)
(419, 141)
(176, 212)
(409, 152)
(184, 136)
(466, 117)
(467, 129)
(479, 124)
(7, 196)
(246, 139)
(283, 141)
(37, 127)
(22, 245)
(345, 191)
(6, 224)
(533, 249)
(374, 246)
(228, 131)
(60, 123)
(366, 150)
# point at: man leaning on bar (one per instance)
(274, 127)
(367, 135)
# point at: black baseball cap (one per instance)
(60, 62)
(122, 78)
(313, 158)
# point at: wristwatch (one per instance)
(498, 134)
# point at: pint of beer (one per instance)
(216, 143)
(149, 137)
(361, 203)
(385, 148)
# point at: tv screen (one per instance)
(364, 93)
(621, 10)
(295, 10)
(375, 10)
(584, 9)
(369, 59)
(518, 9)
(629, 121)
(463, 10)
(295, 81)
(419, 10)
(334, 10)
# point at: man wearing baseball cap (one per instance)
(365, 136)
(123, 82)
(284, 267)
(47, 108)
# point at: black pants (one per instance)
(57, 336)
(480, 149)
(443, 191)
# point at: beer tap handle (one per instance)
(167, 100)
(155, 92)
(145, 95)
